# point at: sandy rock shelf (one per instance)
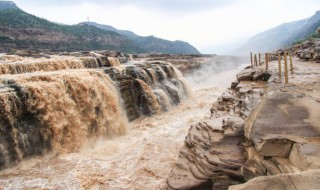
(284, 130)
(257, 131)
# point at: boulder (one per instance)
(305, 156)
(302, 181)
(246, 75)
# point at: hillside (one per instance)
(282, 35)
(7, 5)
(152, 44)
(20, 30)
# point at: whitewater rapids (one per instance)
(141, 159)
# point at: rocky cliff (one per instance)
(257, 128)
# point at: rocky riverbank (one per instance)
(258, 127)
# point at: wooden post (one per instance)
(266, 57)
(291, 64)
(251, 60)
(279, 65)
(285, 68)
(259, 59)
(270, 57)
(255, 60)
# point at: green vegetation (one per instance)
(152, 44)
(20, 30)
(17, 18)
(312, 35)
(25, 31)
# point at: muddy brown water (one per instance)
(140, 159)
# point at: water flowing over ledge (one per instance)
(60, 103)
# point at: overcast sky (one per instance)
(212, 26)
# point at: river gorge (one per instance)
(102, 122)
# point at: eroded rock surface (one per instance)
(284, 129)
(214, 150)
(271, 130)
(302, 181)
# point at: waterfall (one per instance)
(152, 101)
(113, 61)
(32, 65)
(160, 81)
(57, 104)
(57, 111)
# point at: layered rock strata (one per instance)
(256, 129)
(284, 133)
(214, 150)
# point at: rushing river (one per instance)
(140, 159)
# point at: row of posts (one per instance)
(269, 57)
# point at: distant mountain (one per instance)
(282, 35)
(151, 44)
(22, 31)
(7, 5)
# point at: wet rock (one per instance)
(246, 75)
(255, 74)
(162, 83)
(234, 84)
(227, 97)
